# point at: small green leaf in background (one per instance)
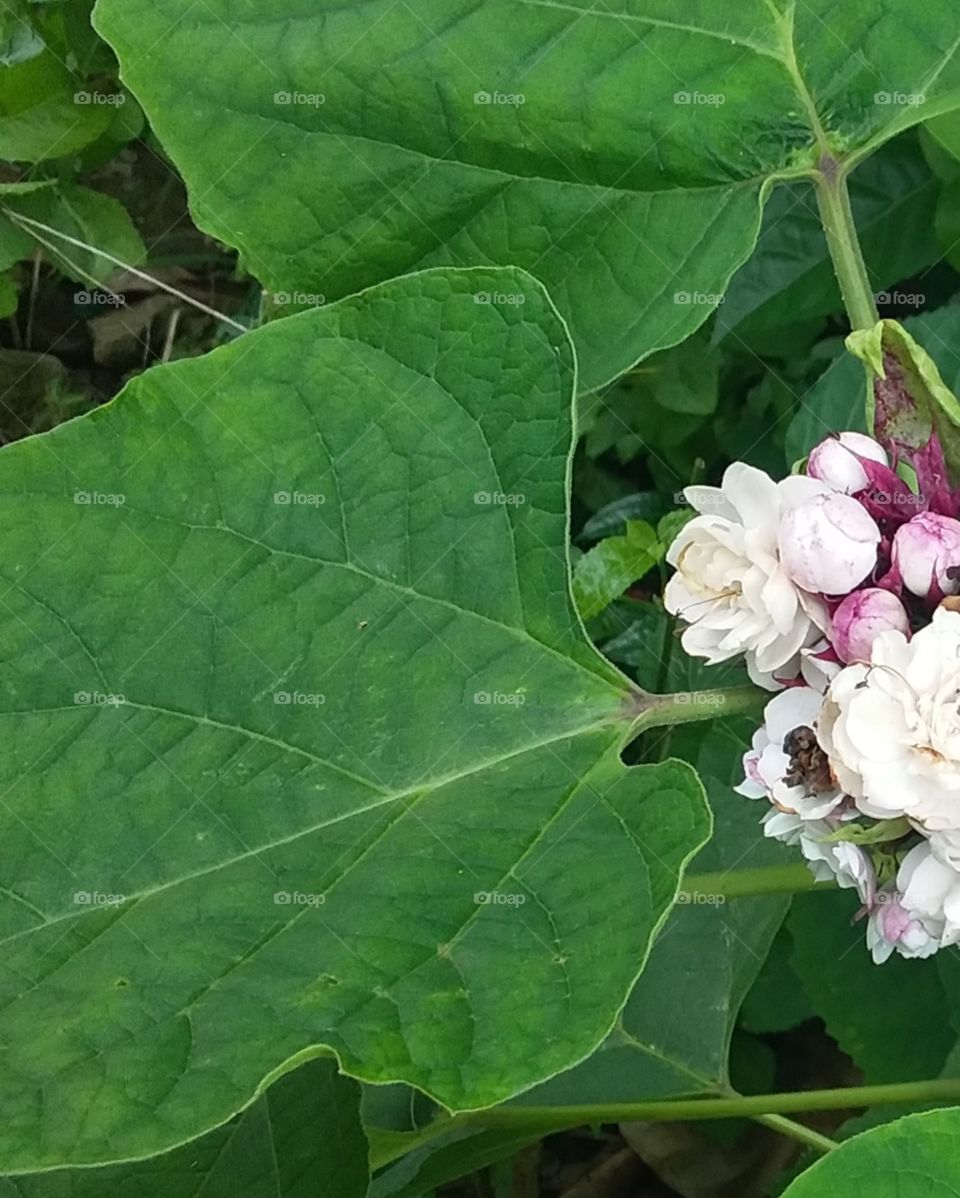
(301, 1139)
(915, 1157)
(604, 572)
(19, 41)
(96, 219)
(45, 112)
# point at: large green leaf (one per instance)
(305, 742)
(916, 1157)
(621, 152)
(302, 1139)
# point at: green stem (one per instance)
(841, 233)
(798, 1131)
(686, 707)
(764, 1108)
(742, 1106)
(742, 883)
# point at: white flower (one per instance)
(828, 543)
(836, 461)
(931, 892)
(730, 586)
(784, 764)
(818, 667)
(924, 549)
(892, 729)
(892, 926)
(829, 860)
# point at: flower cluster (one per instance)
(839, 588)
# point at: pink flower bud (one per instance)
(923, 550)
(836, 461)
(828, 544)
(861, 617)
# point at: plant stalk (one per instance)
(798, 1131)
(744, 883)
(763, 1108)
(844, 245)
(686, 707)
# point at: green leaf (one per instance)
(621, 155)
(873, 1013)
(916, 1157)
(673, 1036)
(97, 220)
(604, 572)
(612, 518)
(777, 1001)
(303, 1136)
(44, 112)
(19, 41)
(268, 621)
(790, 277)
